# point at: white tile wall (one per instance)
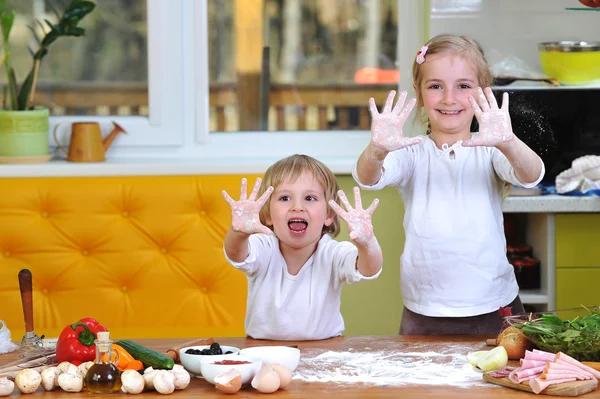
(514, 27)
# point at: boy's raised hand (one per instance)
(386, 127)
(245, 212)
(494, 122)
(358, 220)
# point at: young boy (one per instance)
(295, 269)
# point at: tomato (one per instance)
(590, 3)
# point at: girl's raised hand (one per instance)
(386, 127)
(358, 220)
(245, 212)
(494, 123)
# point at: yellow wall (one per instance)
(374, 307)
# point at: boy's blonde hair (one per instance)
(289, 170)
(462, 46)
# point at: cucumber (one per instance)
(149, 357)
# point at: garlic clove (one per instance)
(229, 382)
(266, 380)
(285, 375)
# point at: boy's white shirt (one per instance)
(454, 262)
(306, 306)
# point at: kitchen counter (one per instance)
(550, 204)
(357, 367)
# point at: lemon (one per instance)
(495, 359)
(473, 357)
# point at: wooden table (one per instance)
(451, 347)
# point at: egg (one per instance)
(229, 382)
(285, 375)
(266, 380)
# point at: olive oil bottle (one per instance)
(103, 376)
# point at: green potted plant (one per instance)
(24, 127)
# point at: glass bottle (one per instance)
(103, 376)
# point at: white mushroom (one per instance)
(149, 374)
(6, 386)
(50, 378)
(84, 367)
(28, 380)
(70, 382)
(164, 382)
(181, 377)
(132, 382)
(64, 367)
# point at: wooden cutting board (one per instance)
(574, 388)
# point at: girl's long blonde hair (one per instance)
(289, 170)
(462, 46)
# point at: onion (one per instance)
(493, 360)
(515, 342)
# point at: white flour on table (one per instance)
(444, 366)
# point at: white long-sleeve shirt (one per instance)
(454, 262)
(306, 306)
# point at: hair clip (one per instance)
(421, 54)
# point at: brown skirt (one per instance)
(489, 323)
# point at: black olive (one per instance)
(190, 351)
(205, 352)
(219, 351)
(228, 352)
(215, 346)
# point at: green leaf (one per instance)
(7, 18)
(77, 10)
(25, 90)
(551, 319)
(12, 89)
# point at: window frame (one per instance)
(164, 127)
(177, 129)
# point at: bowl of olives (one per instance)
(192, 356)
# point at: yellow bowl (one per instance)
(573, 63)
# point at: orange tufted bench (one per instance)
(142, 254)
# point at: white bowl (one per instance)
(210, 370)
(192, 362)
(284, 355)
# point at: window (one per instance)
(128, 67)
(299, 65)
(104, 72)
(308, 55)
(203, 96)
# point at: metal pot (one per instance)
(571, 62)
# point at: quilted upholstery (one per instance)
(142, 254)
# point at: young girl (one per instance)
(454, 271)
(295, 269)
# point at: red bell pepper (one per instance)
(76, 342)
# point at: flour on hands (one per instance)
(245, 212)
(358, 220)
(386, 127)
(494, 122)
